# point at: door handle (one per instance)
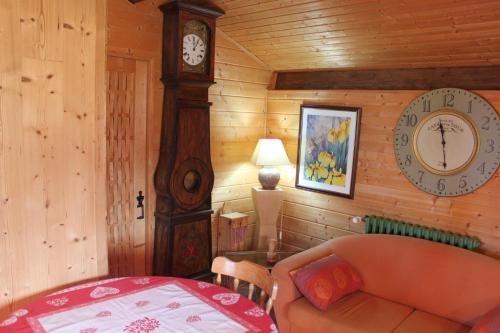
(140, 205)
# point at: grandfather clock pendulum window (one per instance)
(184, 175)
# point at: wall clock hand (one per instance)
(443, 142)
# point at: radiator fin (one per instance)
(381, 225)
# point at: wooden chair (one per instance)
(254, 274)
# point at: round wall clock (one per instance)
(447, 141)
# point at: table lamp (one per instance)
(269, 153)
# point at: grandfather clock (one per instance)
(184, 176)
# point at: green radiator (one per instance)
(382, 225)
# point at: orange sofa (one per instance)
(410, 286)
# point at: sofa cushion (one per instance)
(356, 313)
(419, 322)
(489, 323)
(326, 280)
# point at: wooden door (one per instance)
(126, 164)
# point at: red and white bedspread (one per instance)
(141, 305)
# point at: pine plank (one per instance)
(51, 75)
(288, 35)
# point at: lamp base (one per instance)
(269, 178)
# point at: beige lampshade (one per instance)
(270, 152)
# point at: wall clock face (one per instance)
(447, 142)
(194, 47)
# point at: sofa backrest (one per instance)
(454, 283)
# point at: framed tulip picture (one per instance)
(328, 149)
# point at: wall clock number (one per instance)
(462, 183)
(446, 142)
(490, 146)
(427, 105)
(421, 173)
(441, 186)
(448, 100)
(404, 140)
(481, 168)
(486, 123)
(408, 160)
(411, 120)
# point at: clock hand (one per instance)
(195, 45)
(443, 142)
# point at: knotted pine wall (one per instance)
(311, 218)
(52, 127)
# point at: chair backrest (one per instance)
(254, 274)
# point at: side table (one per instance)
(267, 206)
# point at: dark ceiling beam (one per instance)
(471, 78)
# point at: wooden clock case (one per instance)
(184, 175)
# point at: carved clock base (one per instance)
(186, 251)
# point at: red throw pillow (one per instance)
(326, 280)
(489, 323)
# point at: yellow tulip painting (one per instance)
(327, 158)
(327, 140)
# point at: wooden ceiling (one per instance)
(310, 34)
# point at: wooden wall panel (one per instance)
(305, 34)
(237, 115)
(51, 147)
(381, 189)
(238, 120)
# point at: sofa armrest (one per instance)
(287, 292)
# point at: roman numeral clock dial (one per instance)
(447, 142)
(194, 47)
(193, 51)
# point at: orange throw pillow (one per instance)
(489, 323)
(326, 280)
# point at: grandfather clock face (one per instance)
(195, 47)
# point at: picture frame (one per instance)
(328, 149)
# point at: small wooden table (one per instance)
(258, 257)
